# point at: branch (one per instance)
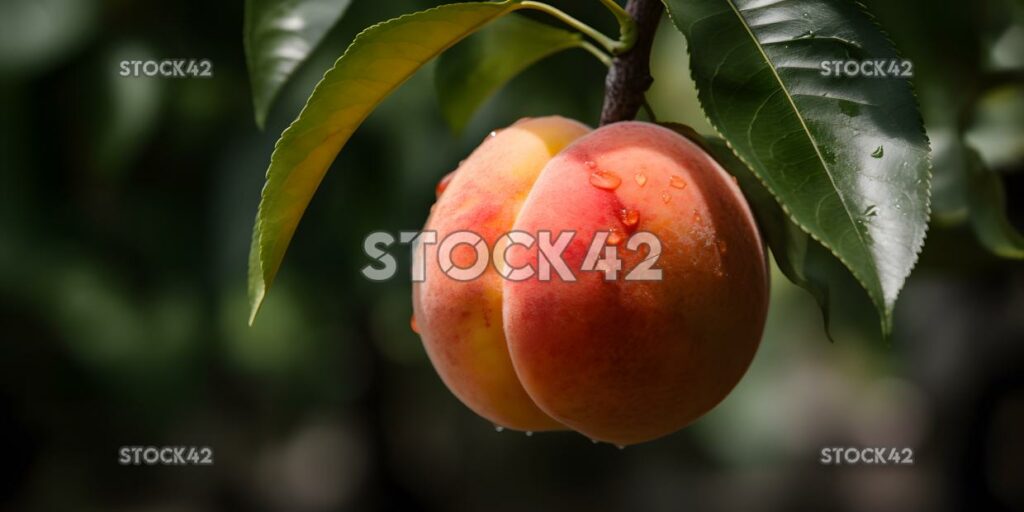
(630, 74)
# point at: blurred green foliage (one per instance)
(125, 213)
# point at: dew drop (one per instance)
(614, 237)
(412, 324)
(443, 184)
(605, 180)
(499, 428)
(665, 198)
(493, 133)
(629, 217)
(878, 152)
(640, 179)
(677, 182)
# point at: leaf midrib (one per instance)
(806, 129)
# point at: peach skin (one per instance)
(629, 361)
(618, 360)
(460, 322)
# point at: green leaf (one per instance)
(476, 68)
(846, 157)
(279, 35)
(987, 201)
(380, 59)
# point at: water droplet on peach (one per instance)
(722, 247)
(614, 237)
(605, 180)
(665, 198)
(590, 163)
(677, 182)
(640, 179)
(629, 217)
(529, 434)
(499, 428)
(412, 324)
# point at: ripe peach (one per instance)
(621, 361)
(628, 361)
(460, 321)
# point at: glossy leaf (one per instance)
(380, 59)
(476, 68)
(279, 35)
(846, 157)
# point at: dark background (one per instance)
(125, 215)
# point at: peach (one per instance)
(628, 361)
(620, 360)
(460, 321)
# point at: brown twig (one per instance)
(630, 74)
